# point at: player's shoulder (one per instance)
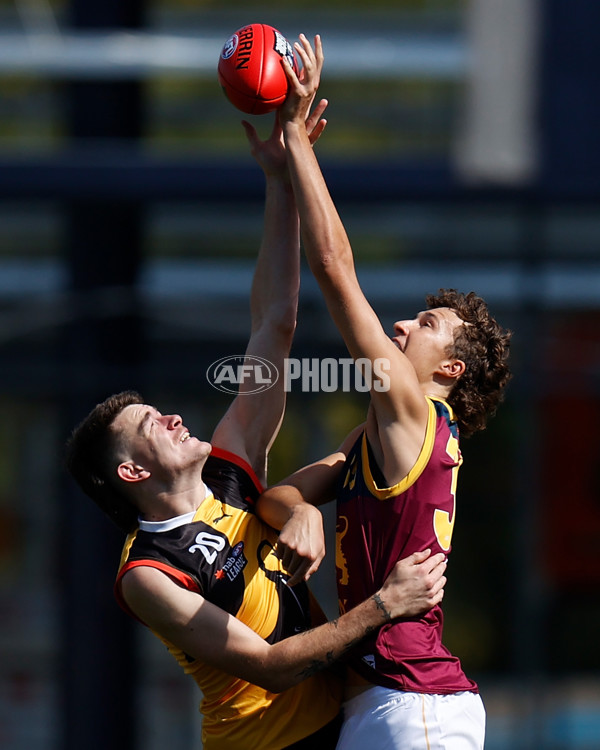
(154, 597)
(445, 414)
(143, 580)
(231, 478)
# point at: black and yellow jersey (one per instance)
(224, 552)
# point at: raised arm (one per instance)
(330, 258)
(253, 420)
(206, 632)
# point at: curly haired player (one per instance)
(396, 486)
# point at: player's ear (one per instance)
(128, 471)
(452, 368)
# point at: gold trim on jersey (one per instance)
(127, 548)
(385, 493)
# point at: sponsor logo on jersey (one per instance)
(234, 565)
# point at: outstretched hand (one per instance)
(302, 88)
(270, 153)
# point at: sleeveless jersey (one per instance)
(379, 525)
(224, 552)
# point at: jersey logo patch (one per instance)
(369, 660)
(222, 518)
(234, 565)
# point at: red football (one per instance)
(250, 70)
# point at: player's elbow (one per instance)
(278, 329)
(333, 265)
(279, 320)
(285, 321)
(277, 674)
(279, 681)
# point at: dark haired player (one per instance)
(447, 371)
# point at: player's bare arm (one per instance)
(400, 410)
(252, 423)
(206, 632)
(290, 505)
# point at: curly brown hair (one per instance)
(483, 346)
(87, 458)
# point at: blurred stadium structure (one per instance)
(462, 151)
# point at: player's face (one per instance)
(427, 339)
(158, 442)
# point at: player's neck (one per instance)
(438, 387)
(176, 501)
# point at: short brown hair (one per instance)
(87, 459)
(483, 346)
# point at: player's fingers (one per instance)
(306, 54)
(316, 123)
(433, 600)
(307, 47)
(322, 105)
(314, 567)
(251, 134)
(297, 570)
(290, 72)
(316, 132)
(305, 69)
(437, 563)
(296, 578)
(419, 557)
(319, 50)
(318, 111)
(286, 555)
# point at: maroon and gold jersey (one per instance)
(224, 552)
(379, 525)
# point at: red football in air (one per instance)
(250, 69)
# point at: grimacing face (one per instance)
(160, 444)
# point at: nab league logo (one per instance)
(229, 47)
(242, 374)
(234, 565)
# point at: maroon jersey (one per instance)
(379, 525)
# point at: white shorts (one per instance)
(384, 719)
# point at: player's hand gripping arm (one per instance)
(206, 632)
